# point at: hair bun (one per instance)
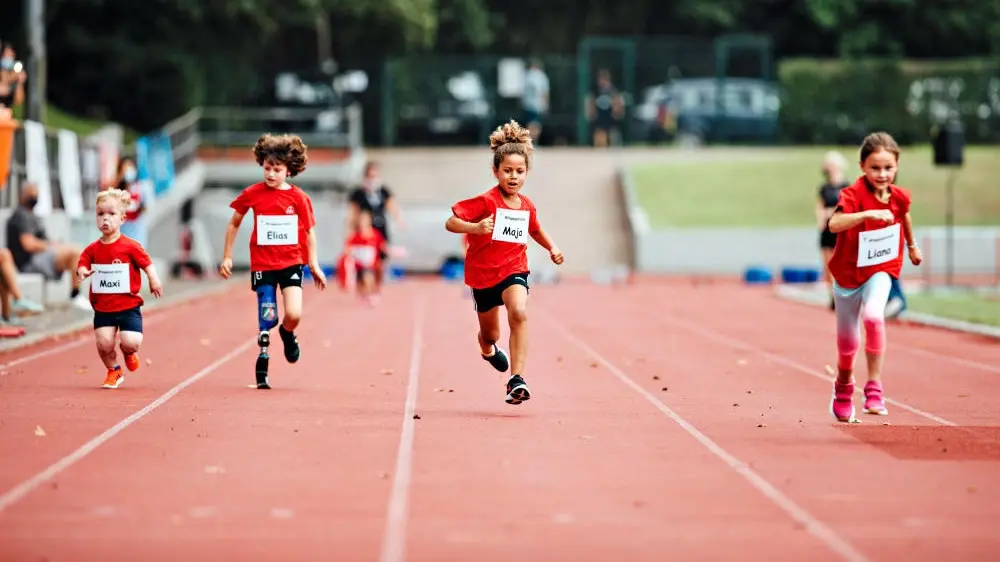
(510, 133)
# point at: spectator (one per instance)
(127, 179)
(535, 100)
(605, 109)
(834, 165)
(9, 290)
(34, 253)
(12, 78)
(373, 196)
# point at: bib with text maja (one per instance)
(277, 230)
(110, 278)
(878, 246)
(511, 226)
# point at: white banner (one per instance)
(70, 182)
(37, 164)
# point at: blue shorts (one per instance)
(125, 320)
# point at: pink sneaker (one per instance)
(873, 399)
(842, 405)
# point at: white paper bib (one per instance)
(511, 226)
(277, 230)
(878, 246)
(363, 255)
(110, 278)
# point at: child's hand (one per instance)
(881, 215)
(915, 256)
(156, 287)
(556, 255)
(84, 273)
(319, 278)
(485, 226)
(226, 268)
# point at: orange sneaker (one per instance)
(114, 379)
(132, 361)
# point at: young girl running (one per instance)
(114, 261)
(872, 219)
(498, 224)
(283, 214)
(365, 247)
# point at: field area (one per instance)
(968, 306)
(778, 187)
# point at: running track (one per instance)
(668, 422)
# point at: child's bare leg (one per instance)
(489, 330)
(291, 300)
(515, 299)
(105, 337)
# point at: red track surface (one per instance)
(668, 421)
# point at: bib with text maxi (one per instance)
(363, 255)
(277, 230)
(878, 246)
(511, 226)
(110, 278)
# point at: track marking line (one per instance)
(23, 489)
(957, 360)
(394, 537)
(814, 526)
(744, 346)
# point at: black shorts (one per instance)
(125, 320)
(487, 299)
(281, 278)
(827, 239)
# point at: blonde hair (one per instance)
(836, 159)
(123, 198)
(508, 139)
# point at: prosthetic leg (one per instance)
(267, 318)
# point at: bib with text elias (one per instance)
(878, 246)
(511, 226)
(277, 230)
(110, 278)
(363, 255)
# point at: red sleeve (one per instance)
(905, 199)
(140, 256)
(471, 210)
(86, 257)
(243, 201)
(306, 210)
(847, 203)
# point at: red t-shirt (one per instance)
(282, 221)
(844, 263)
(117, 277)
(491, 258)
(365, 249)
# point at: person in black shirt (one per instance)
(834, 164)
(373, 196)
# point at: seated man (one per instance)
(33, 253)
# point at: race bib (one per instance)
(511, 226)
(277, 230)
(363, 255)
(110, 278)
(878, 246)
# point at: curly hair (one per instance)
(509, 139)
(878, 141)
(115, 195)
(282, 149)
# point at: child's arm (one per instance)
(459, 226)
(544, 240)
(83, 270)
(155, 286)
(841, 221)
(915, 256)
(318, 276)
(232, 229)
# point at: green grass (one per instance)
(971, 307)
(774, 187)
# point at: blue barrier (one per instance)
(155, 161)
(799, 275)
(757, 275)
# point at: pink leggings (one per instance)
(866, 304)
